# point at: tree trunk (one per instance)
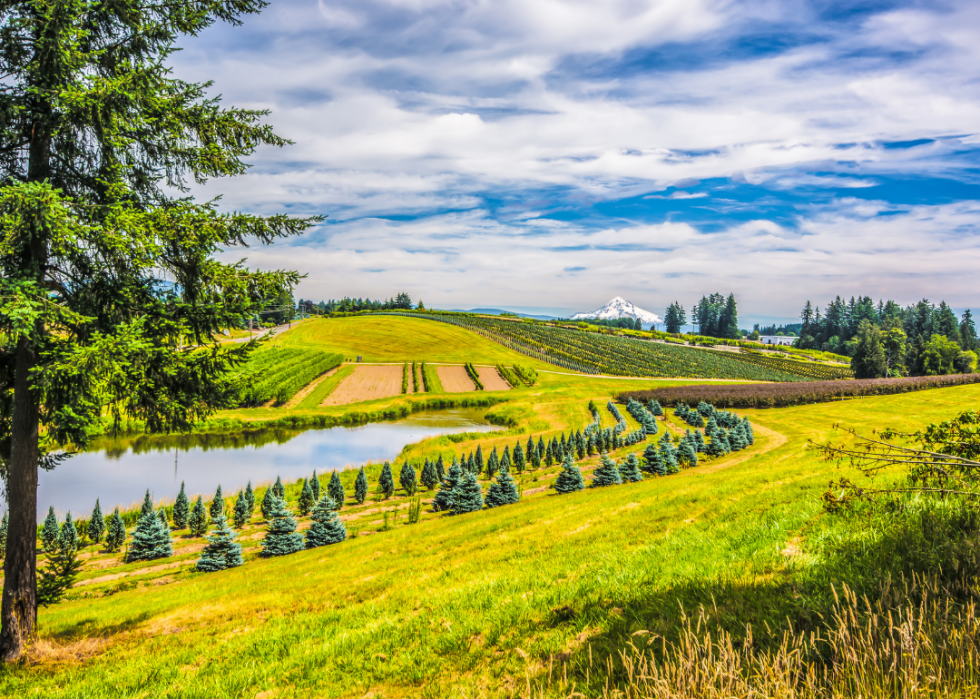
(18, 612)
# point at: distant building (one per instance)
(776, 340)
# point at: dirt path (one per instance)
(454, 379)
(368, 382)
(309, 388)
(491, 379)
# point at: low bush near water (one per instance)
(783, 394)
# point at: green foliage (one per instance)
(326, 528)
(405, 378)
(508, 375)
(221, 551)
(607, 473)
(444, 499)
(182, 509)
(151, 540)
(115, 533)
(570, 479)
(526, 374)
(61, 568)
(800, 369)
(242, 515)
(278, 489)
(386, 481)
(306, 502)
(467, 495)
(266, 505)
(361, 487)
(869, 360)
(249, 500)
(281, 538)
(407, 479)
(279, 373)
(675, 317)
(630, 471)
(96, 524)
(474, 375)
(415, 509)
(315, 487)
(198, 521)
(428, 477)
(938, 356)
(217, 508)
(335, 490)
(503, 491)
(50, 531)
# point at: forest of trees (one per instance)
(885, 339)
(717, 316)
(349, 305)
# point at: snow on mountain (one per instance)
(621, 308)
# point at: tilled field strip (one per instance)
(368, 382)
(455, 379)
(491, 380)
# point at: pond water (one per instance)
(118, 471)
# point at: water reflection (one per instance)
(118, 471)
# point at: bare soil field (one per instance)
(454, 379)
(368, 383)
(491, 380)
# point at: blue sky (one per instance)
(547, 155)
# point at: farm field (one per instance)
(576, 579)
(491, 379)
(454, 379)
(366, 383)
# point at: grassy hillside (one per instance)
(527, 599)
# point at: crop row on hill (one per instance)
(778, 395)
(279, 373)
(594, 353)
(809, 370)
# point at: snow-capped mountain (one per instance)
(621, 308)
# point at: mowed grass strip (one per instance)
(465, 606)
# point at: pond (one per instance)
(118, 471)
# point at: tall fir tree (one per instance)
(386, 481)
(50, 531)
(493, 463)
(428, 478)
(503, 491)
(480, 465)
(326, 528)
(221, 551)
(570, 478)
(440, 469)
(335, 489)
(519, 462)
(306, 502)
(360, 487)
(217, 508)
(653, 461)
(241, 510)
(505, 462)
(281, 538)
(630, 470)
(468, 495)
(542, 449)
(606, 474)
(266, 505)
(162, 516)
(69, 534)
(115, 535)
(278, 489)
(198, 521)
(407, 479)
(151, 540)
(182, 509)
(249, 500)
(447, 490)
(61, 569)
(147, 507)
(315, 487)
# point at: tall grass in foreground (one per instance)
(894, 647)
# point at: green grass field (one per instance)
(491, 603)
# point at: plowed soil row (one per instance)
(368, 383)
(455, 379)
(491, 380)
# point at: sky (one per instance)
(548, 155)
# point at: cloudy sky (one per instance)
(547, 155)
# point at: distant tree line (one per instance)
(715, 315)
(350, 305)
(885, 339)
(625, 323)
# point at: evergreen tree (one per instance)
(869, 361)
(655, 408)
(579, 445)
(278, 489)
(281, 537)
(162, 516)
(151, 540)
(326, 528)
(440, 469)
(335, 489)
(361, 487)
(406, 478)
(529, 451)
(182, 509)
(591, 445)
(386, 481)
(631, 470)
(606, 474)
(542, 450)
(147, 508)
(429, 478)
(266, 505)
(468, 496)
(669, 455)
(249, 500)
(697, 441)
(68, 536)
(221, 551)
(198, 521)
(50, 531)
(241, 510)
(480, 465)
(217, 508)
(447, 489)
(115, 534)
(61, 568)
(749, 435)
(4, 525)
(505, 460)
(654, 463)
(493, 463)
(306, 502)
(503, 491)
(471, 465)
(519, 462)
(315, 487)
(570, 479)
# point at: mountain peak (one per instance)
(620, 308)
